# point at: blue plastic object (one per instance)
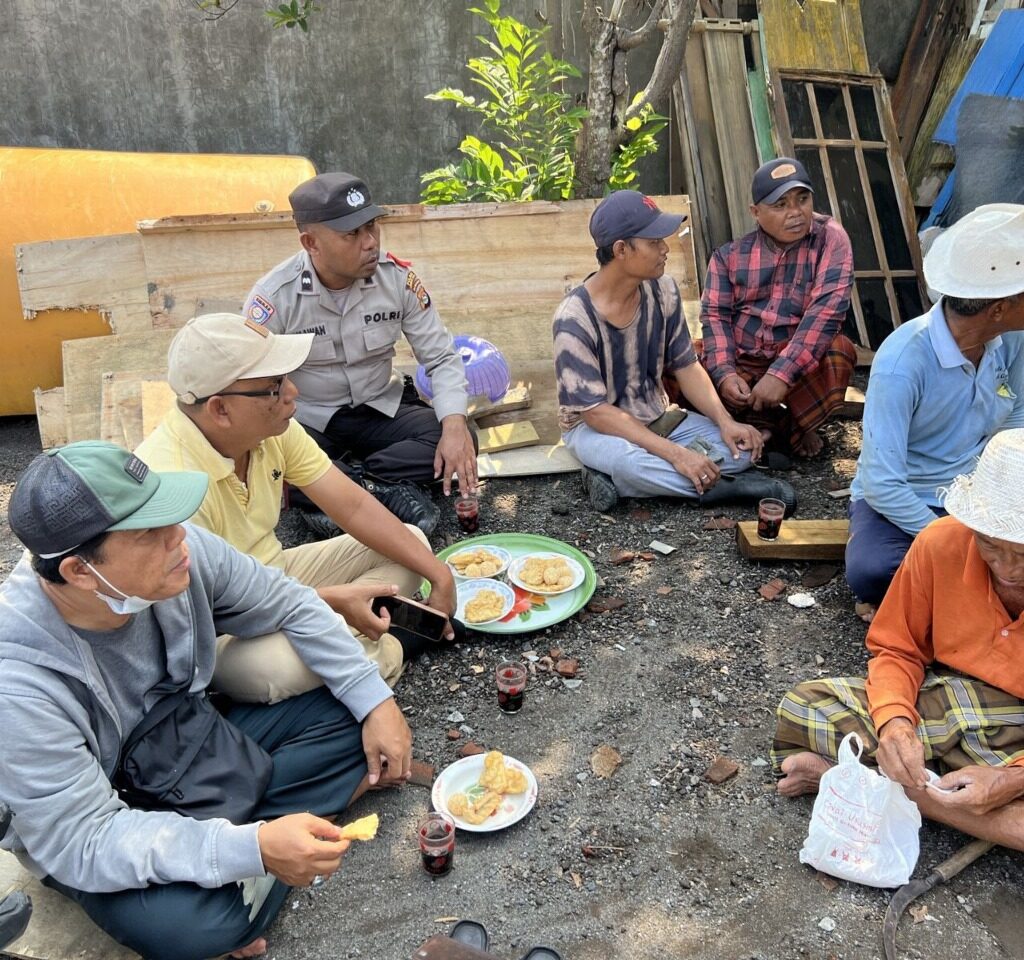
(486, 370)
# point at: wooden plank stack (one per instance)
(494, 270)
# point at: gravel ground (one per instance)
(654, 861)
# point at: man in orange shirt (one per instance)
(945, 681)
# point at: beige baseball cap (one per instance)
(212, 351)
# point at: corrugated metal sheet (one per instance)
(998, 70)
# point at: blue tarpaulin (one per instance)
(998, 70)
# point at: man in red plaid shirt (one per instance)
(773, 305)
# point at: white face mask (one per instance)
(117, 605)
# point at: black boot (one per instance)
(750, 487)
(600, 488)
(407, 501)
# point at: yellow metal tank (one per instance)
(57, 194)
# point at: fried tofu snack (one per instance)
(363, 829)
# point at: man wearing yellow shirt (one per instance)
(234, 421)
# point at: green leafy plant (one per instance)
(645, 127)
(294, 14)
(528, 122)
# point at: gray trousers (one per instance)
(637, 473)
(317, 748)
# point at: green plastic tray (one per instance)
(557, 608)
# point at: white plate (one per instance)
(578, 573)
(503, 555)
(465, 773)
(468, 589)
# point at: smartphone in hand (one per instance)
(412, 616)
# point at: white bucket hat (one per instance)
(214, 350)
(980, 257)
(989, 500)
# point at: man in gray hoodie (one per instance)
(117, 608)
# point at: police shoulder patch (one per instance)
(401, 263)
(414, 284)
(260, 310)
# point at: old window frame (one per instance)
(890, 144)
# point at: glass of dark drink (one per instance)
(467, 512)
(769, 518)
(436, 835)
(510, 676)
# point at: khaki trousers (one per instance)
(267, 669)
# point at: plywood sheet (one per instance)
(85, 362)
(798, 540)
(815, 35)
(51, 417)
(471, 256)
(59, 929)
(157, 399)
(527, 462)
(89, 273)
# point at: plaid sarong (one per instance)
(812, 399)
(963, 721)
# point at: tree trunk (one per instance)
(608, 100)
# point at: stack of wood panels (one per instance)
(494, 270)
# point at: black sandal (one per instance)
(470, 933)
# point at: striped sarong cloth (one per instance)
(812, 399)
(963, 721)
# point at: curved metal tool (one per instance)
(909, 892)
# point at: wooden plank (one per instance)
(508, 437)
(530, 257)
(815, 34)
(51, 417)
(852, 407)
(89, 273)
(59, 928)
(527, 462)
(129, 413)
(798, 540)
(86, 360)
(734, 126)
(516, 398)
(110, 423)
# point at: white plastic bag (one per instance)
(863, 826)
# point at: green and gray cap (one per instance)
(71, 494)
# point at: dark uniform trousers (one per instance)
(317, 748)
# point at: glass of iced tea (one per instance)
(467, 512)
(769, 518)
(436, 836)
(510, 676)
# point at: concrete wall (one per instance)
(153, 75)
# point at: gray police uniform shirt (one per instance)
(350, 363)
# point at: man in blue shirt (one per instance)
(941, 386)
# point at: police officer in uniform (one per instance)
(357, 302)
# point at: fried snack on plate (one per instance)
(515, 781)
(546, 574)
(486, 605)
(493, 777)
(458, 805)
(362, 829)
(475, 563)
(483, 808)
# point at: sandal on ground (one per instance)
(543, 953)
(470, 933)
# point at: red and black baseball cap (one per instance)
(626, 214)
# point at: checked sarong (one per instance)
(963, 721)
(812, 398)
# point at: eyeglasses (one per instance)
(274, 392)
